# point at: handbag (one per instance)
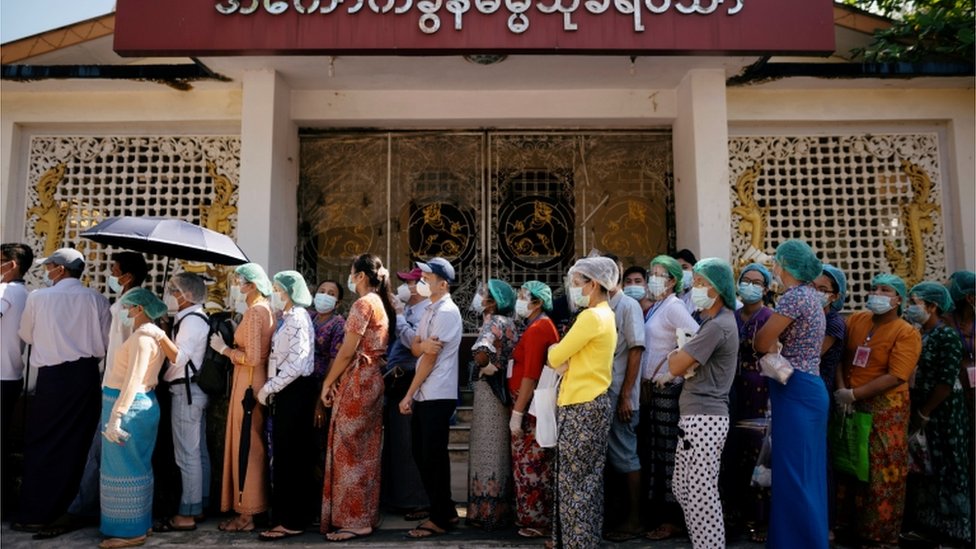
(848, 435)
(919, 456)
(543, 407)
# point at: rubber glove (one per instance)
(217, 343)
(515, 424)
(489, 370)
(263, 395)
(113, 431)
(663, 379)
(845, 400)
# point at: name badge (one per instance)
(971, 370)
(861, 356)
(508, 369)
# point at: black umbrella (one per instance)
(169, 237)
(244, 449)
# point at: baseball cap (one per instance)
(438, 266)
(67, 257)
(412, 274)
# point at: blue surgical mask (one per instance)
(127, 320)
(916, 314)
(324, 303)
(637, 292)
(576, 294)
(750, 293)
(351, 284)
(687, 277)
(824, 300)
(699, 296)
(114, 284)
(879, 304)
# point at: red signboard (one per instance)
(365, 27)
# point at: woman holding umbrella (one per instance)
(244, 487)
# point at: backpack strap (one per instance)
(189, 363)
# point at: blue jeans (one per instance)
(190, 445)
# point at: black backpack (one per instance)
(212, 375)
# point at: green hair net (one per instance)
(718, 272)
(294, 285)
(672, 266)
(252, 272)
(961, 284)
(142, 297)
(503, 294)
(895, 282)
(933, 292)
(840, 280)
(540, 291)
(767, 277)
(798, 259)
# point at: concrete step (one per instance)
(464, 415)
(458, 453)
(460, 434)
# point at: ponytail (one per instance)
(379, 278)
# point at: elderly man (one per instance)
(67, 325)
(15, 260)
(432, 395)
(186, 292)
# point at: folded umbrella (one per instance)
(244, 449)
(168, 237)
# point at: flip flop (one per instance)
(229, 526)
(532, 533)
(118, 543)
(278, 533)
(166, 525)
(426, 530)
(349, 535)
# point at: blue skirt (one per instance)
(127, 475)
(798, 516)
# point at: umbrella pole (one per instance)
(162, 286)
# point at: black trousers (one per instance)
(10, 390)
(61, 421)
(292, 436)
(430, 431)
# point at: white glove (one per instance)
(154, 331)
(113, 431)
(844, 398)
(263, 395)
(217, 343)
(515, 424)
(690, 372)
(489, 370)
(561, 370)
(663, 379)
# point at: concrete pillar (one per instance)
(267, 225)
(701, 165)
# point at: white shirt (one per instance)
(292, 350)
(191, 342)
(442, 319)
(660, 336)
(64, 323)
(13, 297)
(117, 334)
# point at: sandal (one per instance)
(417, 514)
(278, 533)
(117, 543)
(234, 525)
(426, 530)
(532, 533)
(345, 535)
(167, 525)
(664, 531)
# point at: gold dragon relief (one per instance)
(752, 224)
(52, 214)
(918, 216)
(219, 216)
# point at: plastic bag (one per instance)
(543, 407)
(848, 435)
(762, 473)
(775, 365)
(919, 457)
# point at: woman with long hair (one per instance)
(354, 390)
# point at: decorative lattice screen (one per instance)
(74, 182)
(865, 203)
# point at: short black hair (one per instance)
(635, 269)
(686, 255)
(134, 264)
(21, 253)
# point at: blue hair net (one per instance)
(933, 292)
(840, 280)
(503, 294)
(961, 284)
(798, 259)
(142, 297)
(252, 272)
(718, 272)
(767, 277)
(540, 291)
(294, 285)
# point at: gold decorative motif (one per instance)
(917, 218)
(628, 234)
(51, 214)
(753, 222)
(216, 216)
(217, 291)
(440, 234)
(538, 238)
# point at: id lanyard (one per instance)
(650, 312)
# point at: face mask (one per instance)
(824, 300)
(879, 304)
(235, 293)
(699, 296)
(46, 278)
(423, 289)
(522, 308)
(477, 304)
(687, 277)
(403, 293)
(114, 284)
(576, 294)
(636, 292)
(240, 306)
(324, 303)
(750, 293)
(172, 304)
(917, 314)
(657, 285)
(127, 320)
(277, 302)
(350, 284)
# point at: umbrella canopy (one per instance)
(169, 237)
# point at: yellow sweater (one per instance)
(588, 347)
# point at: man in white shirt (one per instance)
(67, 326)
(185, 293)
(15, 260)
(432, 395)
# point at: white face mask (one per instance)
(687, 277)
(235, 294)
(277, 302)
(477, 304)
(114, 284)
(576, 294)
(423, 289)
(522, 308)
(403, 292)
(658, 285)
(48, 281)
(172, 304)
(324, 303)
(879, 304)
(699, 296)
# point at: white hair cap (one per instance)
(193, 288)
(603, 270)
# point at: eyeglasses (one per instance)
(756, 283)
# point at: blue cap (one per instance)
(438, 266)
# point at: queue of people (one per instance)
(672, 383)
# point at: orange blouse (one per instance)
(895, 348)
